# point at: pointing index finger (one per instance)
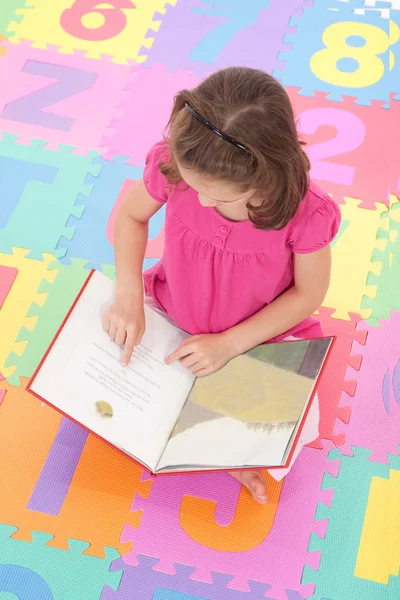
(128, 349)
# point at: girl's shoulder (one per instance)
(316, 200)
(316, 221)
(158, 152)
(154, 180)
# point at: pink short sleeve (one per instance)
(155, 182)
(318, 227)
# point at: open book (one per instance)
(248, 414)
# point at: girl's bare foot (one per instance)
(254, 482)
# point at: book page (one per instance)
(133, 407)
(246, 413)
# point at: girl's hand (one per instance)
(125, 324)
(203, 354)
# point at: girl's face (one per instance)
(215, 193)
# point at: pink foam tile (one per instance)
(333, 379)
(146, 111)
(375, 407)
(7, 277)
(348, 145)
(2, 392)
(278, 559)
(392, 141)
(64, 99)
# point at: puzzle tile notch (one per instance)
(212, 37)
(61, 292)
(387, 257)
(97, 517)
(87, 243)
(151, 91)
(51, 95)
(378, 557)
(145, 579)
(69, 573)
(334, 385)
(345, 520)
(14, 313)
(304, 45)
(364, 155)
(216, 528)
(348, 280)
(44, 220)
(63, 28)
(371, 425)
(8, 13)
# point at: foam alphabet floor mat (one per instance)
(86, 88)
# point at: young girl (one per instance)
(247, 257)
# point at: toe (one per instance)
(257, 484)
(254, 482)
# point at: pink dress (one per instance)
(215, 273)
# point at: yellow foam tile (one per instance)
(351, 258)
(379, 550)
(102, 30)
(22, 294)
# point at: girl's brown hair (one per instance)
(254, 109)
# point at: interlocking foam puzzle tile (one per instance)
(362, 5)
(61, 293)
(22, 293)
(7, 277)
(149, 583)
(33, 567)
(164, 594)
(393, 137)
(91, 241)
(210, 36)
(379, 551)
(7, 13)
(387, 257)
(348, 145)
(62, 98)
(339, 52)
(334, 387)
(31, 178)
(58, 479)
(3, 46)
(334, 579)
(2, 392)
(208, 522)
(117, 30)
(357, 239)
(394, 75)
(375, 413)
(145, 112)
(58, 471)
(103, 483)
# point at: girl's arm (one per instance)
(124, 320)
(130, 240)
(205, 354)
(311, 277)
